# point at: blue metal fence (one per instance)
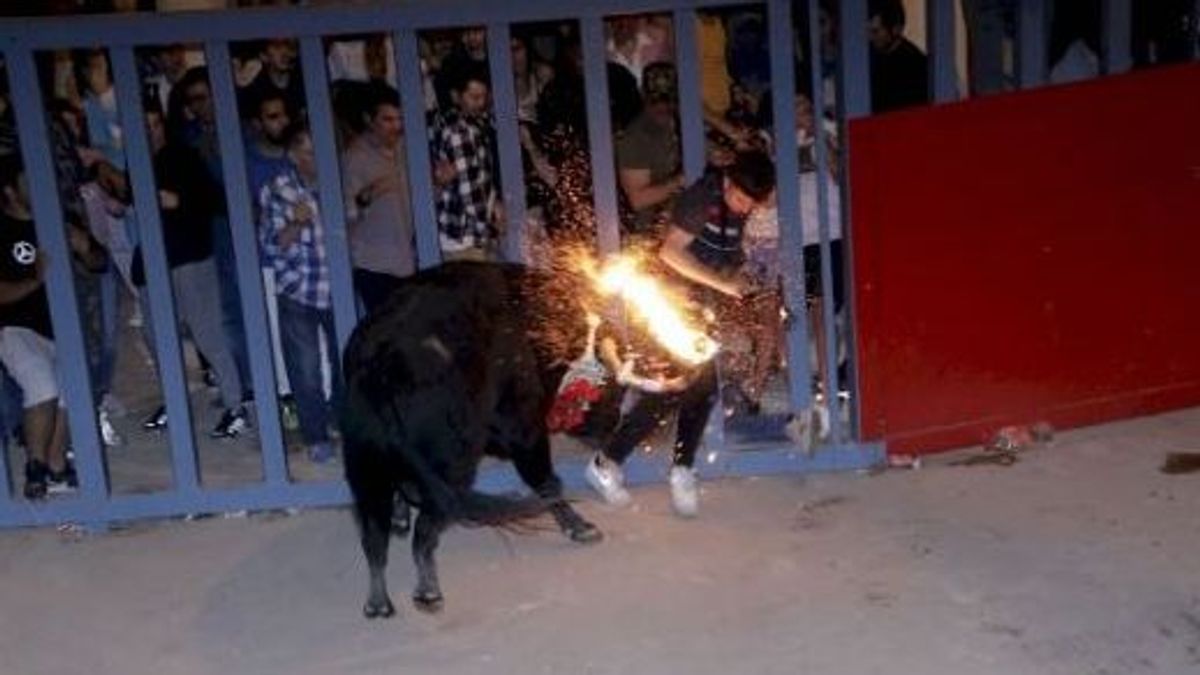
(95, 502)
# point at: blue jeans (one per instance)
(300, 327)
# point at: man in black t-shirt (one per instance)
(27, 337)
(703, 247)
(188, 197)
(899, 69)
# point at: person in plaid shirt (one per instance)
(293, 245)
(469, 211)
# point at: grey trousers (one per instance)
(198, 310)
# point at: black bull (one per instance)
(462, 361)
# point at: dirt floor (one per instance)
(1081, 559)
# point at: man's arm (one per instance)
(86, 250)
(354, 189)
(675, 253)
(642, 193)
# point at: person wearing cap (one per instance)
(648, 159)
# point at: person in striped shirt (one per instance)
(293, 246)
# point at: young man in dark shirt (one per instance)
(702, 248)
(27, 337)
(899, 69)
(188, 198)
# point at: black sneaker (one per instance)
(156, 421)
(233, 422)
(64, 480)
(37, 475)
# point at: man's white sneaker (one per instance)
(607, 478)
(685, 497)
(108, 433)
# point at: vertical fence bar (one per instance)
(854, 66)
(1031, 54)
(854, 101)
(692, 145)
(600, 140)
(828, 304)
(691, 119)
(1118, 36)
(939, 15)
(416, 145)
(158, 275)
(250, 282)
(333, 207)
(6, 491)
(504, 103)
(70, 349)
(791, 231)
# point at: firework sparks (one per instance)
(653, 307)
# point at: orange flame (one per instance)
(653, 307)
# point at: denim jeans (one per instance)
(300, 327)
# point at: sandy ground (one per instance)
(1081, 559)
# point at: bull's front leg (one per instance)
(534, 466)
(428, 529)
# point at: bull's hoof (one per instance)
(585, 533)
(430, 603)
(375, 609)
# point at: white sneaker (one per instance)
(108, 433)
(799, 430)
(685, 496)
(607, 478)
(821, 420)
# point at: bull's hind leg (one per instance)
(373, 496)
(535, 468)
(377, 524)
(426, 532)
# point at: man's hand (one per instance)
(443, 173)
(303, 213)
(112, 180)
(168, 200)
(89, 157)
(499, 221)
(78, 240)
(86, 250)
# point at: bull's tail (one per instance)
(467, 506)
(480, 509)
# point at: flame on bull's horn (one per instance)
(653, 307)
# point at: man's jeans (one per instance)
(300, 328)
